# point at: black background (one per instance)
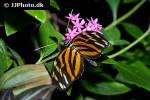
(21, 41)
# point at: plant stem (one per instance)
(116, 22)
(131, 45)
(41, 60)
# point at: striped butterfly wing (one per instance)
(90, 44)
(68, 66)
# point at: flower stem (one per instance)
(116, 22)
(131, 45)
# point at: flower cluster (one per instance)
(80, 25)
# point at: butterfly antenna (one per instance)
(43, 47)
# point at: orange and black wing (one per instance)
(90, 44)
(68, 66)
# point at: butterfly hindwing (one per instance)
(90, 44)
(68, 66)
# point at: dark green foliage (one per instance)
(124, 67)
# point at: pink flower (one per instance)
(89, 27)
(73, 17)
(71, 34)
(96, 24)
(67, 37)
(78, 25)
(93, 25)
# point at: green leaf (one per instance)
(25, 77)
(89, 98)
(40, 15)
(106, 35)
(134, 55)
(79, 97)
(134, 31)
(69, 91)
(15, 21)
(107, 76)
(136, 73)
(3, 57)
(105, 88)
(109, 61)
(138, 63)
(9, 62)
(121, 42)
(92, 70)
(113, 35)
(43, 92)
(54, 4)
(130, 1)
(46, 32)
(48, 28)
(121, 79)
(146, 60)
(108, 49)
(49, 65)
(114, 4)
(6, 95)
(52, 32)
(16, 56)
(1, 21)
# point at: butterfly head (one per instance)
(66, 42)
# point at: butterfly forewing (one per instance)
(68, 66)
(90, 44)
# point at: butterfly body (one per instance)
(69, 64)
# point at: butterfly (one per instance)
(69, 64)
